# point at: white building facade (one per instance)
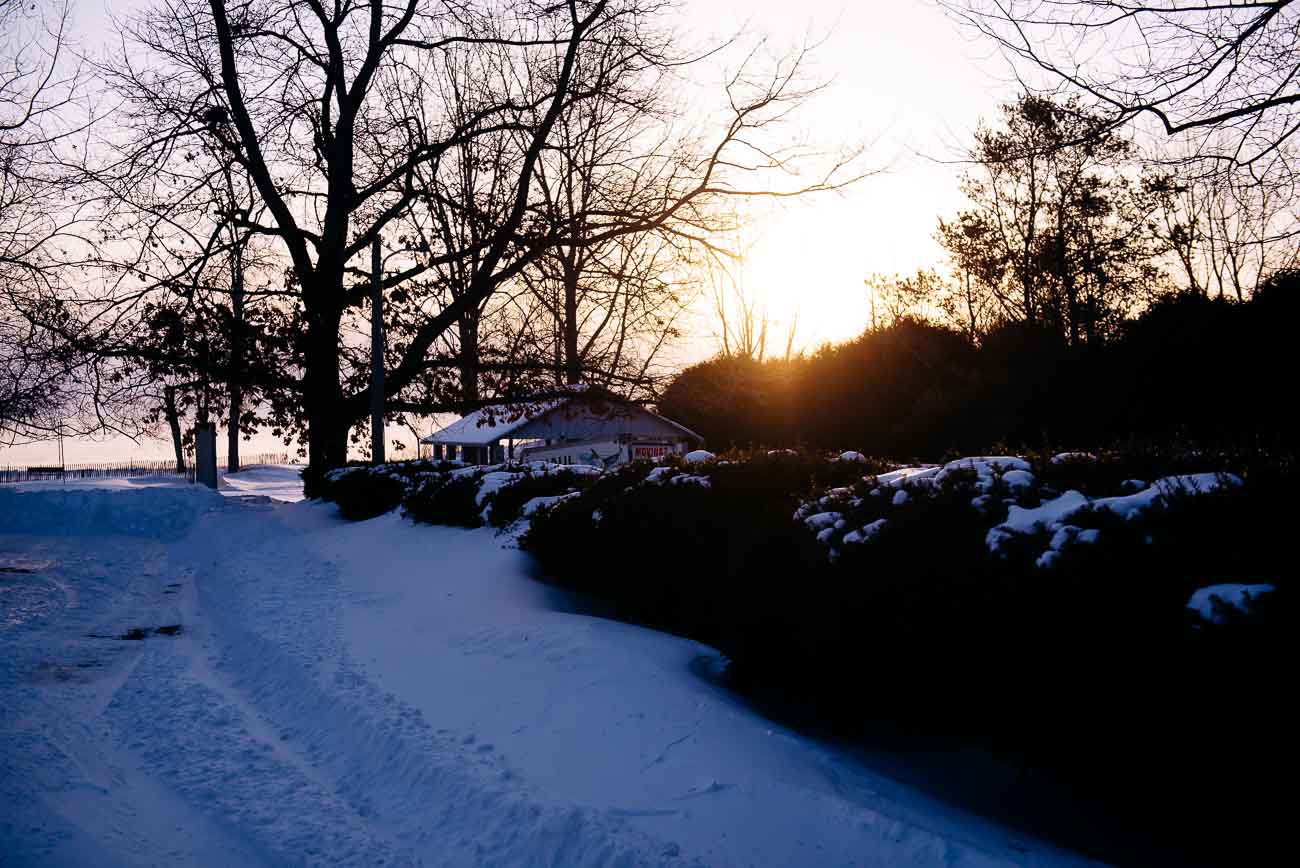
(579, 429)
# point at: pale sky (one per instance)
(902, 79)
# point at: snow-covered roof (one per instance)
(490, 424)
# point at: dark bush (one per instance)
(445, 499)
(1189, 369)
(679, 555)
(504, 505)
(1090, 669)
(363, 493)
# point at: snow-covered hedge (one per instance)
(1059, 607)
(452, 493)
(1103, 616)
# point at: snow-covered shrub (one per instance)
(505, 504)
(690, 557)
(364, 492)
(450, 499)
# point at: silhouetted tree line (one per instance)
(1190, 366)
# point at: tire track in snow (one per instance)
(390, 786)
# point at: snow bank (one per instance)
(1234, 596)
(382, 692)
(699, 456)
(165, 512)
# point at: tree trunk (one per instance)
(376, 354)
(327, 424)
(235, 389)
(174, 423)
(572, 361)
(468, 328)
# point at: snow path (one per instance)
(381, 693)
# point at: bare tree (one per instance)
(1226, 234)
(915, 296)
(38, 86)
(336, 114)
(1222, 76)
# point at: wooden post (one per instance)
(205, 454)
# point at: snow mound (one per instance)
(161, 512)
(986, 468)
(1233, 596)
(699, 456)
(851, 456)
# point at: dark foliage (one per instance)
(1091, 670)
(363, 493)
(704, 556)
(1189, 368)
(443, 499)
(505, 504)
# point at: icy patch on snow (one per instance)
(1234, 596)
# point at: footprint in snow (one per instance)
(702, 789)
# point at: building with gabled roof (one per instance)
(574, 426)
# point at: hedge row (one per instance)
(1087, 663)
(449, 492)
(855, 605)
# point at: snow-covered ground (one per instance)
(385, 693)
